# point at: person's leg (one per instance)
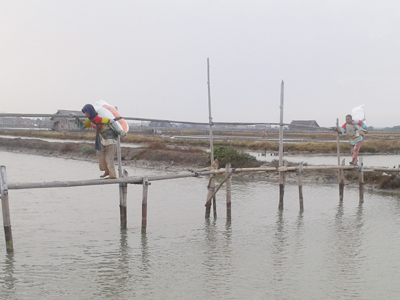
(109, 159)
(355, 150)
(101, 157)
(352, 153)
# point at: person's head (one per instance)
(89, 111)
(349, 119)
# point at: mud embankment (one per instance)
(180, 159)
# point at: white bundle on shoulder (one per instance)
(358, 114)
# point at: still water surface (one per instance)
(68, 243)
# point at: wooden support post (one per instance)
(281, 174)
(341, 182)
(211, 188)
(300, 181)
(228, 191)
(123, 189)
(210, 124)
(340, 171)
(146, 184)
(6, 210)
(214, 202)
(361, 180)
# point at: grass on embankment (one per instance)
(389, 143)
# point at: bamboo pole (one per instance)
(281, 174)
(6, 210)
(130, 180)
(80, 115)
(337, 141)
(123, 189)
(139, 180)
(218, 188)
(340, 171)
(211, 188)
(361, 180)
(210, 123)
(146, 184)
(281, 127)
(300, 182)
(228, 192)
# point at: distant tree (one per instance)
(370, 128)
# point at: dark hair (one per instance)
(349, 116)
(88, 108)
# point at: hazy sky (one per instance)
(149, 58)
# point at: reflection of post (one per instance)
(361, 180)
(281, 174)
(6, 210)
(144, 203)
(341, 182)
(228, 192)
(300, 180)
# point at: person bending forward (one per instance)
(106, 140)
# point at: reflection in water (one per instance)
(218, 258)
(114, 269)
(145, 254)
(8, 280)
(280, 248)
(346, 250)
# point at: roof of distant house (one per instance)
(312, 123)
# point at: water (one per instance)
(369, 160)
(68, 243)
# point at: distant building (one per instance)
(303, 125)
(160, 124)
(63, 123)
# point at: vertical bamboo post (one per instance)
(337, 141)
(214, 202)
(123, 189)
(361, 180)
(341, 182)
(210, 124)
(144, 203)
(300, 181)
(340, 171)
(281, 174)
(228, 192)
(211, 189)
(6, 210)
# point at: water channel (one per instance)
(69, 245)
